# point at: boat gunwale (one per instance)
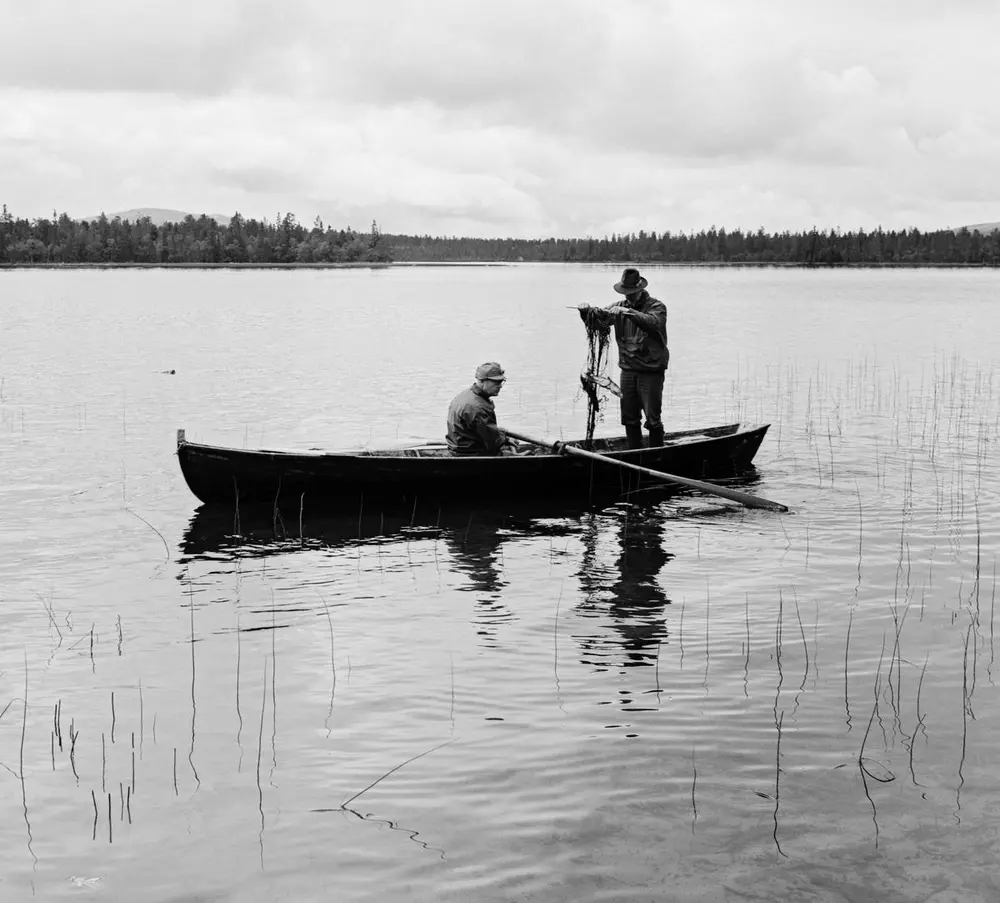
(728, 432)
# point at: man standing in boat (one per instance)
(640, 322)
(472, 419)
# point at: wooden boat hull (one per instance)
(232, 476)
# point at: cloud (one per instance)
(562, 117)
(186, 47)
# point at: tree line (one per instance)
(718, 246)
(193, 240)
(203, 240)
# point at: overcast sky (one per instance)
(503, 117)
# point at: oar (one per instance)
(745, 498)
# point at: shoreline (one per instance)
(142, 265)
(774, 264)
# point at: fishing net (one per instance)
(594, 377)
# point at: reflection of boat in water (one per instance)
(216, 531)
(617, 558)
(470, 538)
(245, 477)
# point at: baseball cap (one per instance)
(490, 370)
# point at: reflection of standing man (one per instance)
(638, 601)
(640, 323)
(642, 557)
(630, 588)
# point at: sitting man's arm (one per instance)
(493, 437)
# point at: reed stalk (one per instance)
(694, 784)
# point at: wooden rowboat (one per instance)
(235, 476)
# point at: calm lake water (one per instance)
(676, 699)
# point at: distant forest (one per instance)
(202, 240)
(193, 240)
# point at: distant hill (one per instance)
(983, 228)
(158, 215)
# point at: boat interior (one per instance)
(604, 444)
(440, 450)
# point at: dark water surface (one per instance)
(671, 699)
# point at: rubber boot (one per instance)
(633, 434)
(655, 436)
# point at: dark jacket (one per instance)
(641, 335)
(472, 424)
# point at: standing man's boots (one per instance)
(633, 433)
(655, 436)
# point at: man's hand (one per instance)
(619, 309)
(583, 305)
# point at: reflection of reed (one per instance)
(746, 660)
(47, 605)
(708, 601)
(777, 783)
(847, 652)
(333, 669)
(274, 700)
(920, 721)
(24, 786)
(260, 746)
(805, 647)
(802, 632)
(142, 721)
(680, 632)
(864, 772)
(73, 734)
(694, 784)
(395, 826)
(194, 703)
(966, 712)
(993, 599)
(413, 835)
(239, 714)
(777, 656)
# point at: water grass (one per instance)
(944, 514)
(346, 803)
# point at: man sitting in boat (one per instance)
(640, 322)
(472, 419)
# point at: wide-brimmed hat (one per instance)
(490, 370)
(630, 282)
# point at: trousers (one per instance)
(642, 393)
